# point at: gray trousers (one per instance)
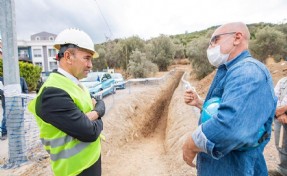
(281, 145)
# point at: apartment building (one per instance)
(39, 50)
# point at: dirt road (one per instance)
(141, 157)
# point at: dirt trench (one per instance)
(146, 131)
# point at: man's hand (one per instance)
(280, 110)
(93, 115)
(282, 118)
(94, 101)
(100, 108)
(191, 98)
(189, 150)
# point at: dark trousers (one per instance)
(4, 119)
(94, 170)
(281, 149)
(3, 127)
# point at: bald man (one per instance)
(232, 141)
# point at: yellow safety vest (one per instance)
(69, 156)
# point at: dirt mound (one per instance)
(278, 70)
(181, 121)
(203, 85)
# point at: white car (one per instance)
(120, 83)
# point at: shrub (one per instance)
(30, 72)
(196, 52)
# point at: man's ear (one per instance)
(238, 38)
(67, 57)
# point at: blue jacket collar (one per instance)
(244, 54)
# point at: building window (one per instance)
(38, 64)
(23, 54)
(37, 52)
(52, 52)
(37, 38)
(53, 65)
(51, 38)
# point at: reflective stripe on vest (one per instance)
(69, 152)
(53, 143)
(56, 142)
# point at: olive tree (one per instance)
(139, 66)
(283, 28)
(196, 51)
(179, 49)
(113, 54)
(161, 51)
(100, 62)
(268, 42)
(128, 46)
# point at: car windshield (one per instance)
(92, 77)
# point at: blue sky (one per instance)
(103, 19)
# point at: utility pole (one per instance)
(12, 89)
(126, 47)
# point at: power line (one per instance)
(105, 20)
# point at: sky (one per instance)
(111, 19)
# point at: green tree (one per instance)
(139, 66)
(196, 52)
(113, 54)
(268, 42)
(179, 49)
(100, 62)
(283, 28)
(30, 72)
(128, 46)
(161, 51)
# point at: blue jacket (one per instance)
(247, 103)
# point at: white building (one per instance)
(39, 50)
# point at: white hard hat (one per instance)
(75, 37)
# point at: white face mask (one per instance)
(215, 57)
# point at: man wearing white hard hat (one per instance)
(68, 118)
